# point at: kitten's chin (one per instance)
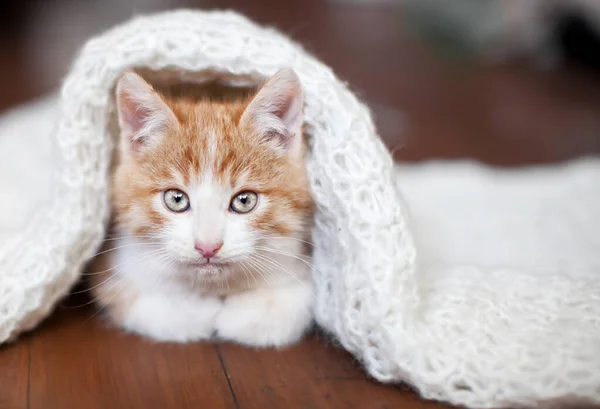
(209, 271)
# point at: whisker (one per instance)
(149, 253)
(145, 259)
(95, 286)
(101, 307)
(278, 265)
(121, 236)
(247, 273)
(256, 266)
(145, 262)
(279, 237)
(252, 267)
(118, 248)
(287, 254)
(94, 300)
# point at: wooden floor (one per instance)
(427, 106)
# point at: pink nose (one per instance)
(208, 250)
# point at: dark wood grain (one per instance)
(78, 361)
(428, 106)
(313, 375)
(318, 358)
(14, 375)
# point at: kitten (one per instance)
(212, 211)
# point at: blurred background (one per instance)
(508, 82)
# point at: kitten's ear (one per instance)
(143, 115)
(275, 113)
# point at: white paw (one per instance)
(172, 318)
(267, 316)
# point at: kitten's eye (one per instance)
(176, 201)
(243, 202)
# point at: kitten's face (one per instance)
(217, 185)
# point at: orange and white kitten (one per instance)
(213, 212)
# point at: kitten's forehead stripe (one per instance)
(212, 143)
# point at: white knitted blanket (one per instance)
(494, 303)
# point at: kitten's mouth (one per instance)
(207, 264)
(211, 271)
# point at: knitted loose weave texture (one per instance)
(498, 306)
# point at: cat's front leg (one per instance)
(267, 316)
(171, 317)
